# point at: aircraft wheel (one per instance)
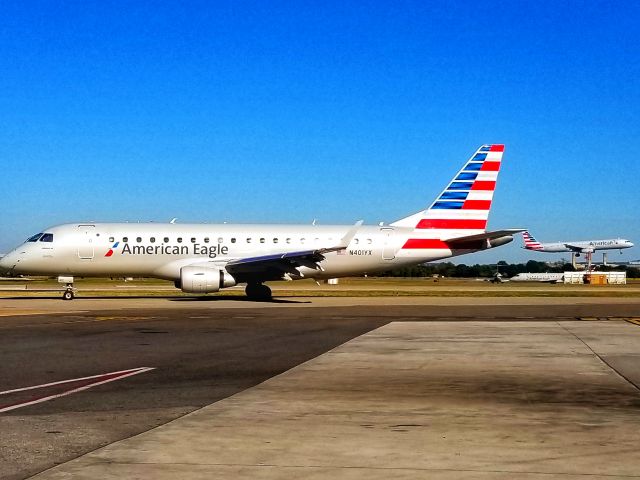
(68, 295)
(251, 290)
(265, 293)
(258, 291)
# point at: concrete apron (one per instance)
(444, 400)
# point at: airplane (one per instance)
(583, 246)
(538, 277)
(203, 258)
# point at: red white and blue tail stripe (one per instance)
(530, 243)
(462, 209)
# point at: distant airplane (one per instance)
(578, 247)
(538, 277)
(206, 258)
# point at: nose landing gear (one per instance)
(68, 293)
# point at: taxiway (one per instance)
(481, 388)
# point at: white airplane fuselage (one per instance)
(584, 246)
(538, 277)
(161, 250)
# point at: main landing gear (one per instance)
(258, 291)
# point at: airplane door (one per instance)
(388, 249)
(86, 235)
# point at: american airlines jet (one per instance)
(202, 258)
(582, 246)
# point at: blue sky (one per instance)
(293, 111)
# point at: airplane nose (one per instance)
(3, 263)
(6, 263)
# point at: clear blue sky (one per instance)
(290, 111)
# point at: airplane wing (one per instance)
(576, 248)
(277, 264)
(486, 235)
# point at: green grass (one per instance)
(348, 287)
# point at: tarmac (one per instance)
(412, 388)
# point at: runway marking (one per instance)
(92, 381)
(634, 320)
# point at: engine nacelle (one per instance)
(496, 242)
(204, 279)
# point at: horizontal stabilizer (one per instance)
(486, 235)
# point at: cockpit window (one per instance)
(47, 237)
(35, 237)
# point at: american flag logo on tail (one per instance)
(463, 207)
(530, 243)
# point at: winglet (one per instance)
(344, 241)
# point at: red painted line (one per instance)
(413, 243)
(497, 148)
(109, 253)
(483, 185)
(490, 167)
(460, 224)
(476, 205)
(84, 384)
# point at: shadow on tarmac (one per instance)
(163, 297)
(233, 298)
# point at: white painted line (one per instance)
(136, 370)
(112, 377)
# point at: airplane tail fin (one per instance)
(530, 243)
(462, 209)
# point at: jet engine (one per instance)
(496, 242)
(196, 279)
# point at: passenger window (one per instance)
(233, 240)
(220, 239)
(248, 240)
(47, 237)
(262, 240)
(125, 239)
(275, 240)
(179, 239)
(139, 239)
(302, 240)
(193, 240)
(166, 239)
(35, 237)
(369, 241)
(206, 239)
(152, 239)
(111, 239)
(288, 240)
(356, 241)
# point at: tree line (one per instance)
(448, 269)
